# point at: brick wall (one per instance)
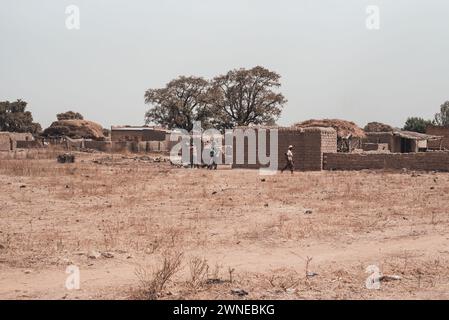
(309, 145)
(426, 161)
(30, 144)
(439, 131)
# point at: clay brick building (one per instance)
(398, 141)
(309, 146)
(439, 131)
(138, 134)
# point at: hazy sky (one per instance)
(332, 66)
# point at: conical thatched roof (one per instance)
(344, 128)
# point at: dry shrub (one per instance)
(153, 283)
(199, 269)
(284, 280)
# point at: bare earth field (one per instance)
(307, 236)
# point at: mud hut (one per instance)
(349, 135)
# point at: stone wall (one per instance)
(426, 161)
(309, 145)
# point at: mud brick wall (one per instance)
(309, 145)
(29, 144)
(438, 131)
(426, 161)
(7, 143)
(105, 146)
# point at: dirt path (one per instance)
(113, 277)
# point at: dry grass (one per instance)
(153, 283)
(225, 221)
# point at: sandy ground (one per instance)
(307, 236)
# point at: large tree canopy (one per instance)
(417, 124)
(182, 102)
(14, 118)
(442, 117)
(243, 97)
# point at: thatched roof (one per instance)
(75, 129)
(344, 128)
(378, 127)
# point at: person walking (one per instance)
(289, 157)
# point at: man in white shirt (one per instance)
(289, 156)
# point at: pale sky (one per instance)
(331, 65)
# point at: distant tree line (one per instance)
(238, 98)
(418, 124)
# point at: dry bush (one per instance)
(284, 280)
(199, 269)
(153, 283)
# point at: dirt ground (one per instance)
(225, 234)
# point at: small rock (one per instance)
(23, 186)
(94, 255)
(27, 271)
(107, 255)
(239, 292)
(308, 211)
(266, 204)
(215, 192)
(263, 180)
(311, 274)
(290, 290)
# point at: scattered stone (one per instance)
(108, 255)
(263, 180)
(308, 211)
(215, 192)
(2, 246)
(23, 186)
(266, 204)
(239, 292)
(290, 290)
(311, 274)
(94, 255)
(27, 271)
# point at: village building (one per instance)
(398, 141)
(441, 131)
(141, 138)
